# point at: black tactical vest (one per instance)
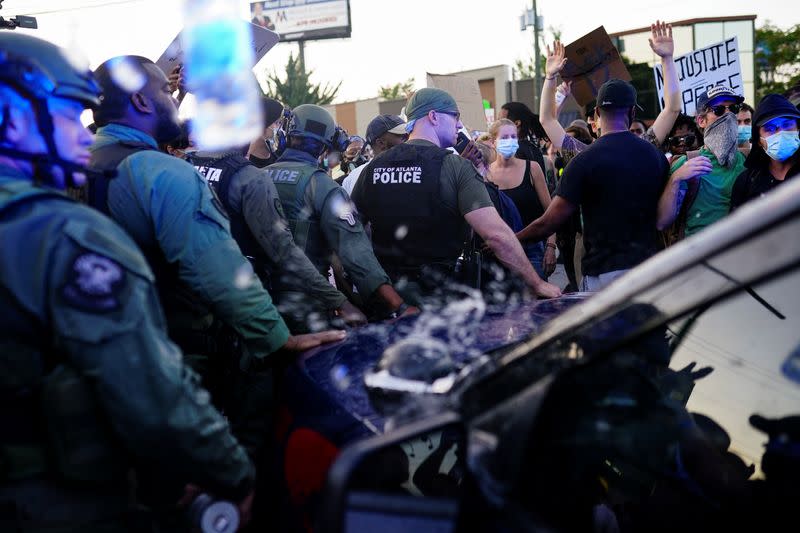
(175, 297)
(410, 226)
(219, 172)
(291, 179)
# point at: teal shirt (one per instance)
(110, 329)
(713, 200)
(163, 201)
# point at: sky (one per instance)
(391, 41)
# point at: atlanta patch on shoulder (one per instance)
(94, 284)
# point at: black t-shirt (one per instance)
(617, 182)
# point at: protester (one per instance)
(523, 181)
(699, 189)
(529, 130)
(638, 128)
(93, 386)
(383, 132)
(684, 137)
(321, 215)
(775, 156)
(616, 183)
(422, 200)
(744, 119)
(662, 44)
(260, 229)
(263, 150)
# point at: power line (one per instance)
(106, 3)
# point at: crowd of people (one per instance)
(184, 280)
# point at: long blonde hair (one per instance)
(494, 129)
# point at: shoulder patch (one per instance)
(94, 283)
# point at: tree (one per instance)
(297, 88)
(777, 59)
(402, 89)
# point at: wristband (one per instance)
(549, 77)
(399, 311)
(551, 245)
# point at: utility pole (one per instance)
(302, 56)
(537, 81)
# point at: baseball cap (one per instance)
(272, 110)
(616, 93)
(385, 124)
(716, 92)
(429, 99)
(774, 106)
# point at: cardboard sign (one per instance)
(467, 94)
(591, 61)
(702, 69)
(262, 41)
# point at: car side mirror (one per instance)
(405, 480)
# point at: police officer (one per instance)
(172, 214)
(320, 213)
(421, 200)
(259, 227)
(90, 382)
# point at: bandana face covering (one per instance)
(720, 138)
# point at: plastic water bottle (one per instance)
(218, 62)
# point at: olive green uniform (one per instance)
(84, 333)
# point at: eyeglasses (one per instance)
(687, 139)
(457, 116)
(719, 110)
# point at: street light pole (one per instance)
(537, 81)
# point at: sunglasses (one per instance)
(687, 139)
(719, 110)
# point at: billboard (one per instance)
(303, 20)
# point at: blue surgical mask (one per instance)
(744, 134)
(507, 147)
(782, 145)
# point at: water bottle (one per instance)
(213, 516)
(218, 62)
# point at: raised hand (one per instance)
(556, 59)
(661, 39)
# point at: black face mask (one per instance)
(261, 163)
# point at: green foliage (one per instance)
(402, 89)
(777, 59)
(297, 88)
(644, 82)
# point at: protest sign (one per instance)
(591, 61)
(262, 40)
(467, 94)
(717, 64)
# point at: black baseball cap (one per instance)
(714, 93)
(616, 93)
(385, 124)
(774, 106)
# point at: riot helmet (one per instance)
(313, 122)
(38, 70)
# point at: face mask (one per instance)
(720, 138)
(782, 145)
(744, 134)
(507, 147)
